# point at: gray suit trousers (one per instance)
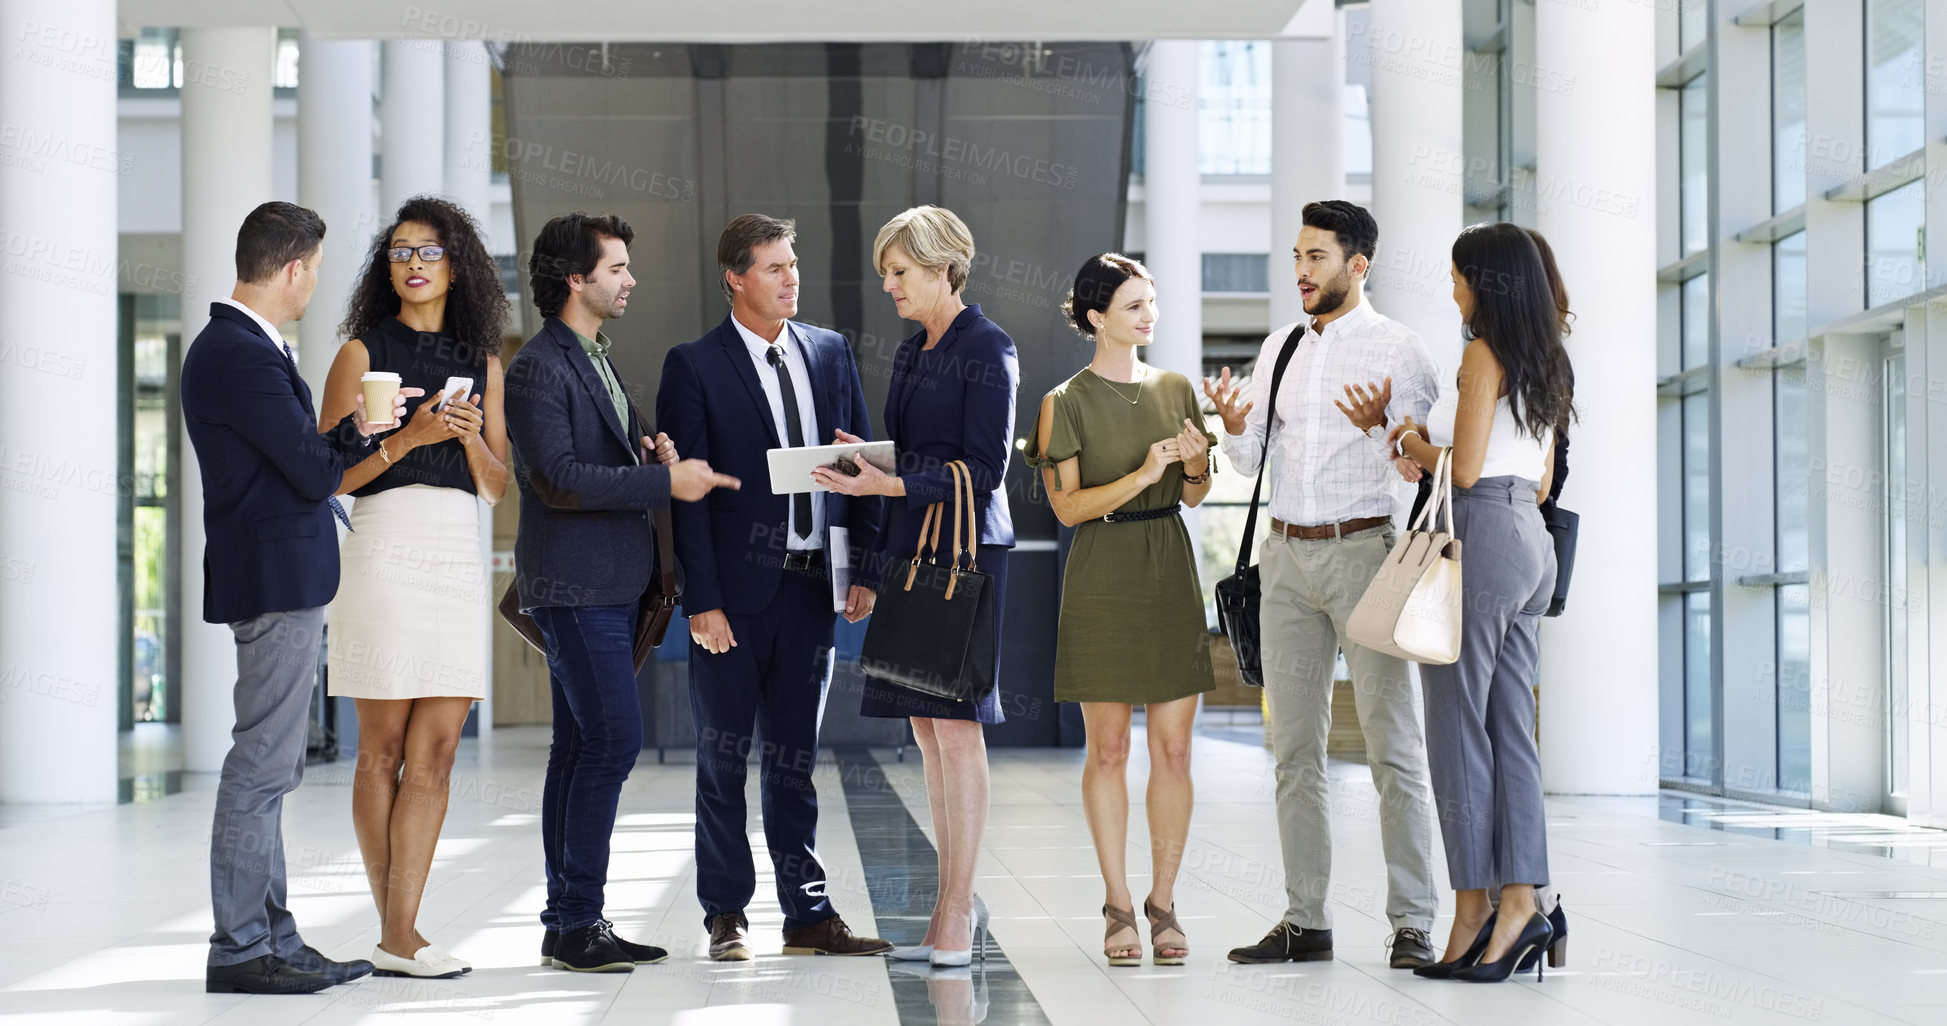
(1310, 590)
(277, 668)
(1480, 711)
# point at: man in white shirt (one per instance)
(1332, 503)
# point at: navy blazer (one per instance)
(270, 546)
(586, 536)
(956, 404)
(712, 405)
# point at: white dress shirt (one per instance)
(807, 416)
(1327, 471)
(270, 329)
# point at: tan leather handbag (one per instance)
(1413, 606)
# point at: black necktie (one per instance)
(800, 501)
(337, 508)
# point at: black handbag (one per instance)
(1563, 526)
(1238, 594)
(934, 633)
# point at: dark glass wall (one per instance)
(1028, 144)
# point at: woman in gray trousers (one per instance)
(1512, 394)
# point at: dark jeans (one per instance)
(597, 736)
(774, 681)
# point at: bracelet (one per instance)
(386, 456)
(1198, 479)
(1399, 447)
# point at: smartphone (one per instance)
(455, 388)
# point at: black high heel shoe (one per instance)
(1444, 970)
(1557, 948)
(1534, 937)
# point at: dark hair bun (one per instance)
(1095, 284)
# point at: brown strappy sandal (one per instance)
(1120, 918)
(1161, 921)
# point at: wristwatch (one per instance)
(1377, 432)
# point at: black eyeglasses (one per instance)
(430, 254)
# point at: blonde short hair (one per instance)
(934, 237)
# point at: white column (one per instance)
(468, 164)
(469, 172)
(226, 173)
(1415, 53)
(412, 141)
(1599, 713)
(1307, 140)
(59, 487)
(334, 178)
(1171, 187)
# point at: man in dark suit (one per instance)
(589, 478)
(269, 567)
(756, 589)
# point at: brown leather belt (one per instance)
(1338, 530)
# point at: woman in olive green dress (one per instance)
(1121, 446)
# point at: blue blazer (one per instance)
(712, 405)
(270, 546)
(957, 404)
(586, 536)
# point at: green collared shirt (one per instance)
(597, 350)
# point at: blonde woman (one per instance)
(951, 398)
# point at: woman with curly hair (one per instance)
(409, 637)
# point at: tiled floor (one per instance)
(1704, 916)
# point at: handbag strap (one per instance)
(953, 577)
(1442, 481)
(667, 591)
(973, 521)
(1270, 417)
(932, 510)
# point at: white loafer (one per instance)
(385, 963)
(435, 953)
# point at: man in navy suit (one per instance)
(590, 480)
(757, 590)
(269, 567)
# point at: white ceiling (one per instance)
(736, 21)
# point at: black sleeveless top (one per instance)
(425, 360)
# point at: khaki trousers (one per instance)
(1309, 591)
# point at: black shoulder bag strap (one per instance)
(1264, 454)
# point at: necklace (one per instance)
(1117, 391)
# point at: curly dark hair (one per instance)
(476, 305)
(569, 244)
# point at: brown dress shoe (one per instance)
(729, 937)
(832, 937)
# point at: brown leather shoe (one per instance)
(832, 937)
(729, 937)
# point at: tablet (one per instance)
(791, 468)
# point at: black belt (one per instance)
(804, 559)
(1143, 514)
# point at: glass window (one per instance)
(1793, 471)
(1894, 392)
(1895, 79)
(1696, 487)
(1358, 131)
(1699, 748)
(285, 74)
(1693, 23)
(1696, 322)
(1896, 226)
(1795, 688)
(1694, 159)
(150, 60)
(1234, 107)
(1236, 272)
(1788, 112)
(157, 331)
(1788, 288)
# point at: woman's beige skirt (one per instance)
(410, 618)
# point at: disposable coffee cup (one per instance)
(381, 388)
